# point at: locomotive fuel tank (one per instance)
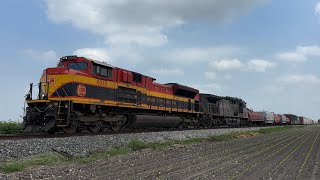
(139, 121)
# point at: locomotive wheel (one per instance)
(116, 126)
(72, 128)
(96, 126)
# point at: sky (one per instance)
(264, 51)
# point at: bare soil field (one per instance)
(290, 154)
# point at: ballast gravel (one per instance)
(80, 146)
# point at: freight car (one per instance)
(300, 119)
(277, 119)
(293, 119)
(265, 118)
(269, 118)
(307, 121)
(284, 119)
(256, 118)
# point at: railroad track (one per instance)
(87, 133)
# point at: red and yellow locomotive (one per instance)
(83, 93)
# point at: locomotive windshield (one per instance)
(78, 66)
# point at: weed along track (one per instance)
(288, 154)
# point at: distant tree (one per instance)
(319, 121)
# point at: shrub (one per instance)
(10, 127)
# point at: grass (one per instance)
(10, 127)
(135, 145)
(102, 155)
(43, 159)
(277, 129)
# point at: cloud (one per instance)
(142, 22)
(255, 65)
(225, 64)
(212, 88)
(125, 57)
(300, 79)
(301, 54)
(309, 50)
(167, 72)
(227, 77)
(210, 75)
(260, 65)
(291, 57)
(195, 55)
(42, 56)
(93, 53)
(138, 39)
(317, 9)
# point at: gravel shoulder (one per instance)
(81, 146)
(290, 154)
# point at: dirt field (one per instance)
(291, 154)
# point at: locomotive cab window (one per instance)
(78, 66)
(102, 71)
(137, 78)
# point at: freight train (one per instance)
(85, 94)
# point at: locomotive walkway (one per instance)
(290, 154)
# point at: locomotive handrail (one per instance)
(43, 110)
(65, 91)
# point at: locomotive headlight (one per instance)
(66, 106)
